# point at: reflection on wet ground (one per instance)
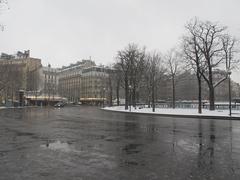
(57, 145)
(87, 143)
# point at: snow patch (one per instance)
(177, 111)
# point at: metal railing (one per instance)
(220, 106)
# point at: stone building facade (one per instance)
(18, 72)
(49, 81)
(84, 82)
(70, 80)
(94, 89)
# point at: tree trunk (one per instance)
(211, 91)
(211, 99)
(126, 93)
(199, 94)
(134, 96)
(137, 96)
(153, 97)
(173, 92)
(211, 88)
(110, 95)
(117, 93)
(149, 101)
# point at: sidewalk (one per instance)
(189, 113)
(19, 107)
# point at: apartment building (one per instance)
(94, 87)
(70, 78)
(84, 82)
(49, 81)
(18, 72)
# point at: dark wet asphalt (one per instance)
(88, 143)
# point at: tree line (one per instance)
(206, 48)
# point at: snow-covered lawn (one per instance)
(168, 111)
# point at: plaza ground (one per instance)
(86, 142)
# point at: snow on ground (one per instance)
(177, 111)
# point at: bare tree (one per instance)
(136, 69)
(4, 76)
(229, 44)
(146, 84)
(230, 52)
(173, 63)
(110, 84)
(131, 62)
(117, 79)
(153, 73)
(194, 58)
(208, 39)
(10, 79)
(124, 66)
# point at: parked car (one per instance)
(60, 104)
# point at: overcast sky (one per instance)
(61, 32)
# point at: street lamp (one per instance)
(48, 82)
(229, 91)
(130, 95)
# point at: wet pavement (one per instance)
(88, 143)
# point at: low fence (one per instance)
(220, 106)
(191, 105)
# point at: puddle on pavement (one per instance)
(191, 147)
(131, 163)
(132, 148)
(57, 146)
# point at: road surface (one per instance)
(87, 143)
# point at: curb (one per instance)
(23, 107)
(179, 115)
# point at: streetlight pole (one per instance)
(228, 63)
(48, 83)
(230, 92)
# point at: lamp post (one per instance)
(48, 83)
(229, 91)
(130, 95)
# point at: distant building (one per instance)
(18, 72)
(83, 82)
(47, 92)
(94, 85)
(235, 89)
(69, 82)
(80, 82)
(187, 87)
(222, 90)
(49, 81)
